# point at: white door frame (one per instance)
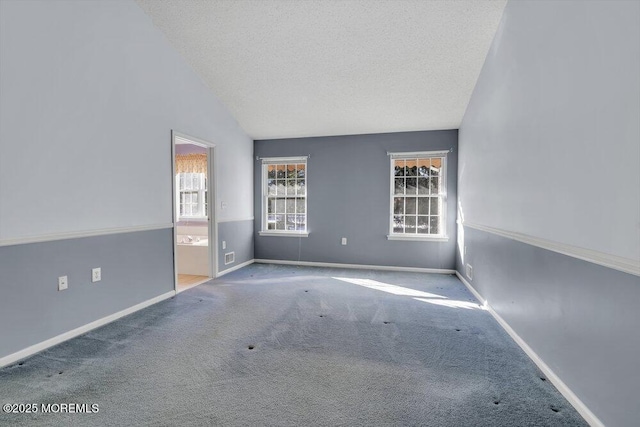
(211, 206)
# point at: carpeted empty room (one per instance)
(320, 213)
(283, 345)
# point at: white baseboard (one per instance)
(36, 348)
(546, 370)
(356, 266)
(234, 268)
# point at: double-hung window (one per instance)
(418, 196)
(284, 196)
(192, 195)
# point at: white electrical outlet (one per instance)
(469, 272)
(224, 244)
(96, 274)
(344, 241)
(63, 283)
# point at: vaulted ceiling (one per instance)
(289, 68)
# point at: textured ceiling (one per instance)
(322, 67)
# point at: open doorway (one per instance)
(194, 235)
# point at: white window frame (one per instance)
(264, 231)
(442, 236)
(202, 207)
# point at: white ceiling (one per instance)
(313, 68)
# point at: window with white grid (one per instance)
(418, 196)
(284, 195)
(192, 195)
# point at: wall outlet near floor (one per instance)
(63, 283)
(344, 241)
(224, 244)
(96, 275)
(469, 271)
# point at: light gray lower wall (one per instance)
(239, 238)
(348, 186)
(582, 319)
(135, 266)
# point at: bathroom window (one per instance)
(192, 195)
(284, 196)
(418, 196)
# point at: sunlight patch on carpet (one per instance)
(416, 294)
(386, 287)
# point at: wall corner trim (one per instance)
(36, 348)
(626, 265)
(357, 266)
(582, 409)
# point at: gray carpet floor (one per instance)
(295, 346)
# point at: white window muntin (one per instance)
(418, 218)
(192, 195)
(289, 202)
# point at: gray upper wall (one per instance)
(356, 208)
(549, 144)
(90, 93)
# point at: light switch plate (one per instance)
(63, 283)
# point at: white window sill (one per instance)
(284, 233)
(417, 238)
